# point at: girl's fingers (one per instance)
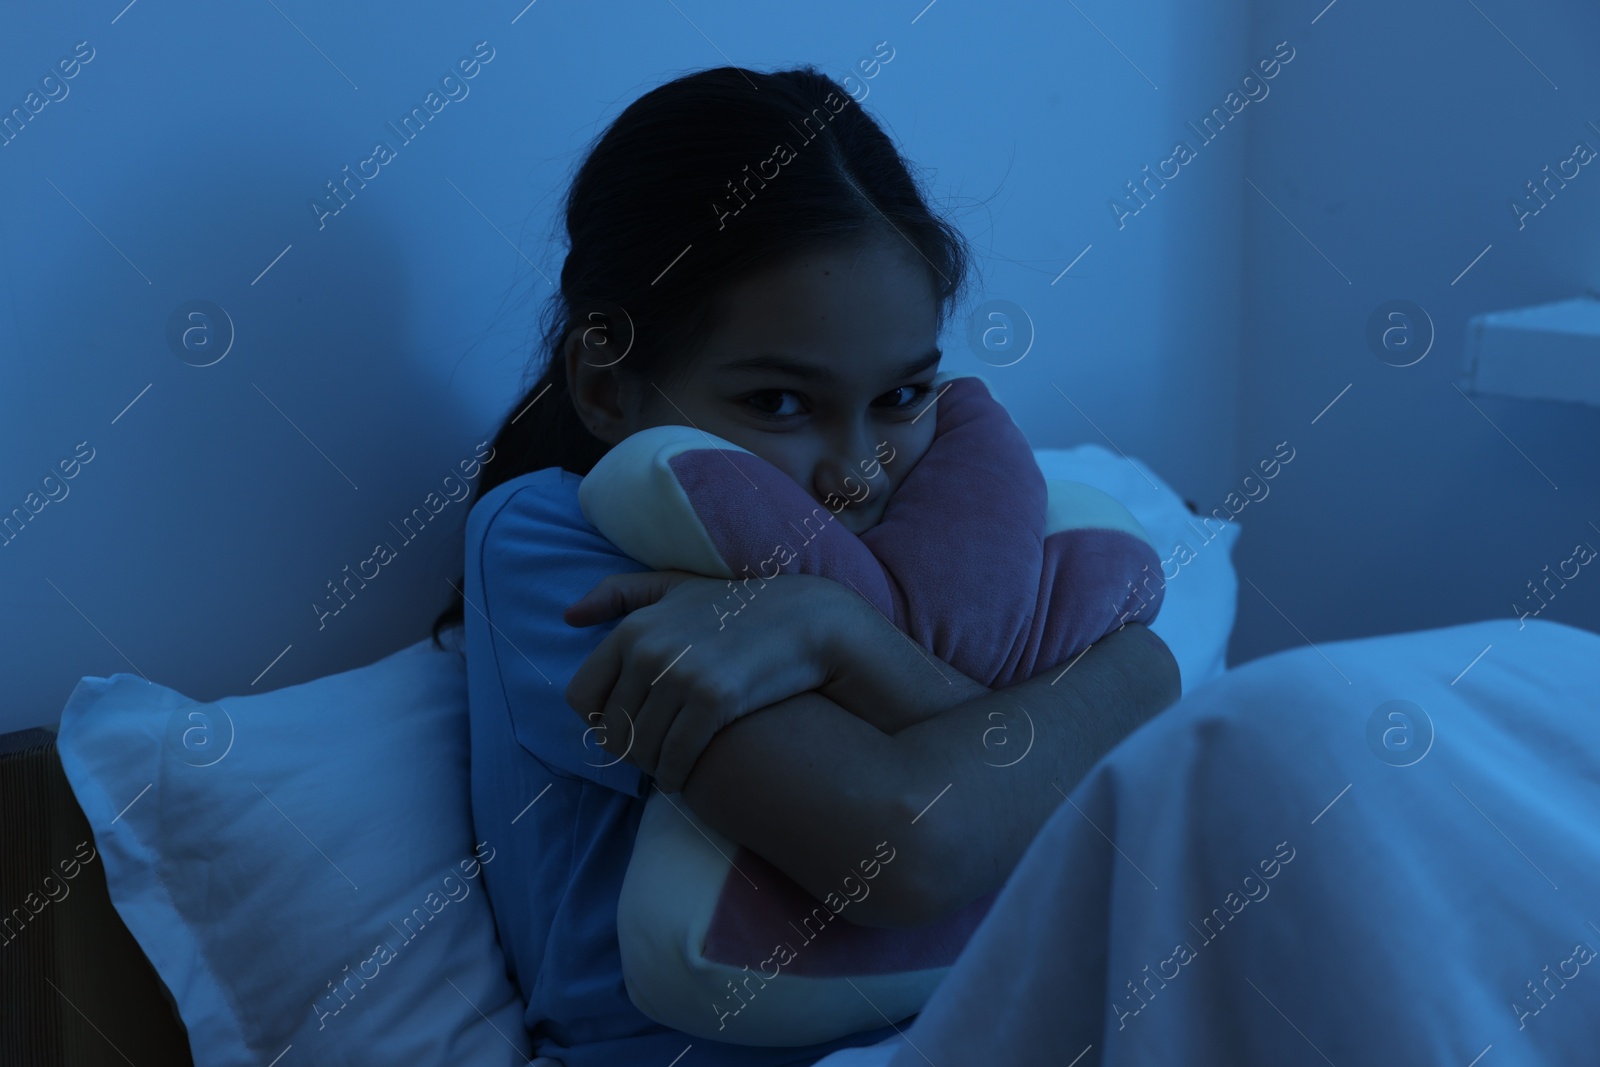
(618, 594)
(610, 597)
(633, 699)
(651, 721)
(609, 739)
(654, 684)
(595, 678)
(680, 750)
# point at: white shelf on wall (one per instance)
(1546, 352)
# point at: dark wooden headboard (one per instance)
(78, 990)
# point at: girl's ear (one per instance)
(595, 388)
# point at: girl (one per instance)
(749, 256)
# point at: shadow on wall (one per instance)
(247, 437)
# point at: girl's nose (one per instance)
(842, 475)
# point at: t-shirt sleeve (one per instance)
(531, 553)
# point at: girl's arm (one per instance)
(958, 790)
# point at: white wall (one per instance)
(373, 353)
(1395, 144)
(1136, 346)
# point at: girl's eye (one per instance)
(758, 401)
(769, 403)
(918, 393)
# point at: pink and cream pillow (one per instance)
(977, 557)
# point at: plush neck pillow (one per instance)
(978, 558)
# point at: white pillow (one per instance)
(261, 848)
(1202, 590)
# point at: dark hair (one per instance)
(670, 206)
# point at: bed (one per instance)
(1265, 822)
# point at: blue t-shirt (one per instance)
(560, 811)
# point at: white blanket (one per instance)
(1375, 851)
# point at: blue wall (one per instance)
(375, 348)
(1396, 144)
(372, 350)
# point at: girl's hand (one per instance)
(619, 594)
(692, 656)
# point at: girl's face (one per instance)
(822, 366)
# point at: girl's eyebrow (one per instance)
(813, 372)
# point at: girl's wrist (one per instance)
(846, 630)
(833, 627)
(878, 673)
